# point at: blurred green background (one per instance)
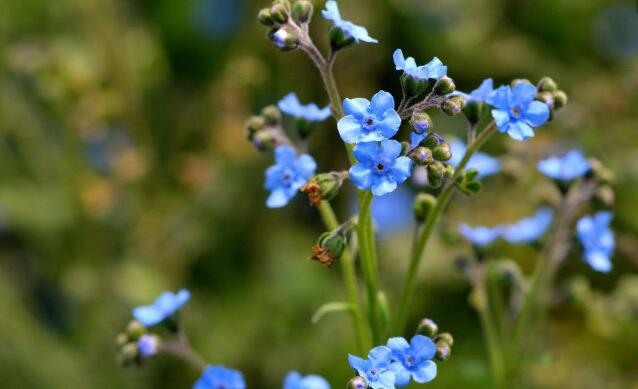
(124, 172)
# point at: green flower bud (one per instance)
(121, 339)
(605, 196)
(449, 170)
(468, 182)
(302, 11)
(265, 140)
(436, 169)
(265, 17)
(444, 337)
(253, 125)
(357, 383)
(546, 84)
(338, 39)
(129, 354)
(423, 204)
(547, 98)
(442, 152)
(432, 140)
(285, 39)
(560, 99)
(427, 327)
(421, 155)
(444, 85)
(413, 86)
(443, 352)
(324, 186)
(474, 111)
(453, 105)
(271, 115)
(601, 172)
(134, 330)
(278, 13)
(330, 246)
(421, 122)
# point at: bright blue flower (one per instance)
(566, 168)
(433, 70)
(480, 235)
(484, 163)
(294, 380)
(291, 105)
(367, 121)
(165, 306)
(287, 175)
(380, 166)
(148, 345)
(516, 112)
(529, 229)
(415, 138)
(482, 94)
(412, 360)
(597, 240)
(375, 369)
(350, 30)
(219, 377)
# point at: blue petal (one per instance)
(361, 176)
(332, 11)
(381, 185)
(278, 198)
(415, 139)
(148, 315)
(285, 155)
(519, 130)
(401, 170)
(289, 104)
(598, 261)
(358, 364)
(523, 93)
(292, 380)
(501, 98)
(537, 114)
(380, 356)
(350, 129)
(386, 380)
(305, 166)
(314, 382)
(401, 374)
(367, 152)
(423, 346)
(357, 107)
(398, 344)
(399, 59)
(389, 126)
(502, 119)
(425, 373)
(390, 149)
(381, 102)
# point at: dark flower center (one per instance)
(369, 123)
(373, 374)
(380, 166)
(516, 111)
(287, 177)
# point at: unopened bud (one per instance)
(421, 155)
(546, 84)
(271, 115)
(148, 345)
(413, 86)
(265, 17)
(605, 195)
(339, 39)
(449, 170)
(432, 140)
(444, 85)
(264, 140)
(444, 337)
(357, 383)
(324, 186)
(135, 329)
(253, 125)
(560, 99)
(423, 204)
(442, 152)
(302, 11)
(421, 122)
(278, 13)
(427, 327)
(121, 339)
(285, 39)
(129, 354)
(474, 111)
(547, 98)
(436, 169)
(329, 247)
(443, 352)
(453, 105)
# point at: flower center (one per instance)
(380, 166)
(516, 112)
(373, 374)
(409, 361)
(287, 177)
(369, 123)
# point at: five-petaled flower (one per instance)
(597, 240)
(289, 173)
(216, 377)
(484, 163)
(375, 369)
(480, 235)
(294, 380)
(516, 112)
(368, 121)
(165, 306)
(412, 360)
(433, 70)
(291, 105)
(380, 166)
(530, 229)
(350, 30)
(565, 168)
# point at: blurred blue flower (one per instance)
(375, 369)
(350, 30)
(432, 70)
(516, 112)
(597, 240)
(287, 175)
(217, 19)
(294, 380)
(380, 166)
(480, 235)
(484, 163)
(530, 229)
(165, 306)
(412, 360)
(565, 168)
(148, 345)
(291, 105)
(482, 94)
(367, 121)
(216, 377)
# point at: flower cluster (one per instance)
(289, 174)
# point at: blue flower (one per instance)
(480, 235)
(482, 94)
(375, 369)
(597, 240)
(516, 112)
(484, 163)
(291, 105)
(350, 30)
(294, 380)
(530, 229)
(287, 175)
(566, 168)
(216, 377)
(412, 360)
(165, 306)
(367, 121)
(433, 70)
(148, 345)
(380, 166)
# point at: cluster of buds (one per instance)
(433, 152)
(443, 341)
(280, 18)
(331, 245)
(135, 344)
(468, 182)
(550, 94)
(324, 186)
(265, 130)
(452, 104)
(605, 195)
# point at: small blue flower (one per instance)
(566, 168)
(412, 360)
(165, 306)
(484, 163)
(597, 240)
(148, 345)
(350, 30)
(367, 121)
(375, 369)
(530, 229)
(380, 166)
(480, 235)
(433, 70)
(482, 94)
(516, 112)
(291, 105)
(218, 377)
(294, 380)
(287, 175)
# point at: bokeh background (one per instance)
(124, 172)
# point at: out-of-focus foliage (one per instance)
(124, 172)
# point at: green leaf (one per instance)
(335, 306)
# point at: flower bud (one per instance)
(423, 204)
(442, 152)
(443, 352)
(468, 182)
(264, 140)
(421, 122)
(453, 105)
(546, 84)
(265, 17)
(302, 11)
(148, 345)
(547, 98)
(253, 125)
(432, 140)
(134, 330)
(421, 155)
(444, 85)
(600, 172)
(278, 13)
(329, 247)
(324, 186)
(474, 111)
(605, 196)
(444, 337)
(285, 39)
(357, 383)
(560, 99)
(129, 354)
(271, 115)
(436, 170)
(412, 86)
(121, 339)
(427, 327)
(449, 170)
(339, 39)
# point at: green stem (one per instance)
(494, 346)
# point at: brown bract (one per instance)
(314, 193)
(322, 255)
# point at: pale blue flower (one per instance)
(480, 235)
(220, 377)
(482, 94)
(294, 380)
(289, 173)
(485, 164)
(412, 360)
(565, 168)
(350, 30)
(516, 112)
(529, 229)
(368, 121)
(380, 166)
(597, 240)
(375, 369)
(148, 345)
(291, 105)
(433, 70)
(165, 306)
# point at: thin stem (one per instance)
(180, 347)
(494, 346)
